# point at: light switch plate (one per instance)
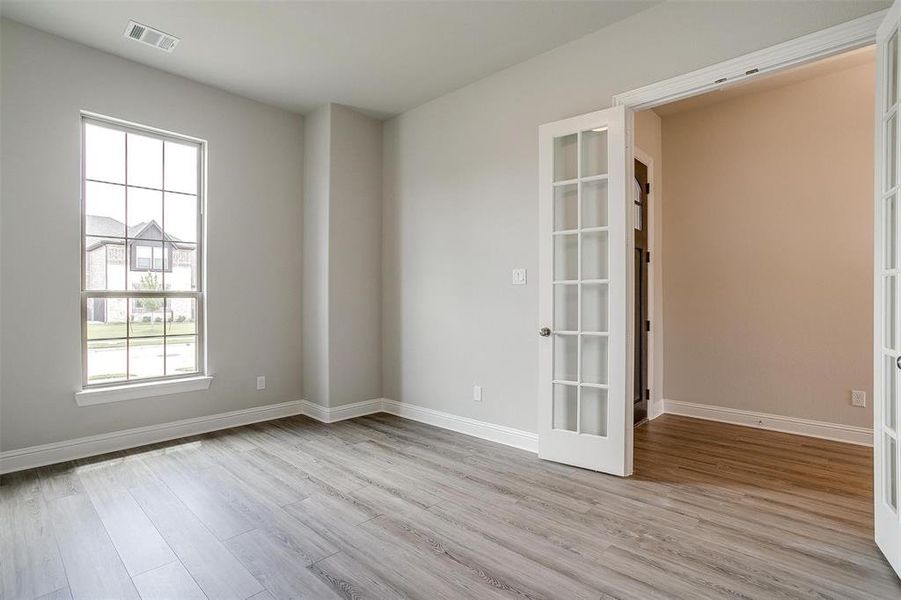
(519, 276)
(858, 398)
(261, 382)
(476, 393)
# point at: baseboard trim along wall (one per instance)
(861, 436)
(48, 454)
(524, 440)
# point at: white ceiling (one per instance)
(380, 57)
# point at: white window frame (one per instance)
(95, 393)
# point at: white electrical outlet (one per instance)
(261, 382)
(519, 276)
(858, 398)
(476, 393)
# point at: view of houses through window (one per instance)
(141, 285)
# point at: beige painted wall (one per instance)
(768, 245)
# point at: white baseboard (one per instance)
(524, 440)
(340, 413)
(861, 436)
(47, 454)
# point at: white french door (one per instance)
(887, 309)
(584, 417)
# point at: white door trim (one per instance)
(834, 40)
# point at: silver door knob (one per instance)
(898, 362)
(544, 332)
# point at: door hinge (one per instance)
(647, 325)
(647, 257)
(647, 188)
(647, 394)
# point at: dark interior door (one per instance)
(641, 392)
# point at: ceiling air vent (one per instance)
(151, 37)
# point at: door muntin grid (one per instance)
(888, 446)
(581, 267)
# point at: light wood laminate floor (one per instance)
(381, 507)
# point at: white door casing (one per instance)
(584, 266)
(887, 304)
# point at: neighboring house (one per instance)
(153, 260)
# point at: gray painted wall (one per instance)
(342, 257)
(355, 259)
(254, 235)
(317, 169)
(461, 206)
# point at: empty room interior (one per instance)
(451, 299)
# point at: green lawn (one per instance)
(139, 329)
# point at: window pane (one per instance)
(594, 359)
(106, 361)
(181, 168)
(566, 358)
(181, 316)
(566, 257)
(594, 306)
(142, 275)
(181, 355)
(594, 203)
(145, 358)
(145, 161)
(594, 255)
(104, 154)
(566, 307)
(104, 266)
(106, 318)
(181, 218)
(145, 317)
(104, 209)
(183, 275)
(145, 214)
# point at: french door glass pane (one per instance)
(594, 152)
(145, 161)
(593, 410)
(181, 355)
(594, 255)
(594, 203)
(890, 395)
(566, 307)
(104, 209)
(566, 166)
(594, 359)
(891, 84)
(891, 231)
(890, 310)
(566, 407)
(104, 266)
(891, 471)
(104, 154)
(145, 357)
(566, 257)
(891, 156)
(106, 361)
(594, 307)
(566, 207)
(566, 357)
(106, 318)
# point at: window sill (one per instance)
(133, 391)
